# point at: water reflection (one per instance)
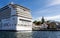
(33, 34)
(7, 34)
(12, 34)
(46, 34)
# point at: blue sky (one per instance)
(50, 9)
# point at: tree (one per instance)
(48, 23)
(52, 25)
(34, 22)
(37, 22)
(42, 20)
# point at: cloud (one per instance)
(56, 18)
(55, 10)
(51, 11)
(53, 2)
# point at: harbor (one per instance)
(29, 19)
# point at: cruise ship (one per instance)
(15, 17)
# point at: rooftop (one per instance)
(13, 5)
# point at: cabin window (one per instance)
(25, 20)
(7, 24)
(13, 18)
(15, 24)
(24, 9)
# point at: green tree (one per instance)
(52, 25)
(34, 22)
(42, 20)
(37, 22)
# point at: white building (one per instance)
(39, 27)
(15, 17)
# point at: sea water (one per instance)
(33, 34)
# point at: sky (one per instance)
(50, 9)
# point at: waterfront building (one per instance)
(15, 17)
(39, 27)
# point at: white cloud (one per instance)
(53, 17)
(50, 13)
(56, 18)
(53, 2)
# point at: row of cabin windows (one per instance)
(8, 24)
(21, 9)
(23, 25)
(25, 22)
